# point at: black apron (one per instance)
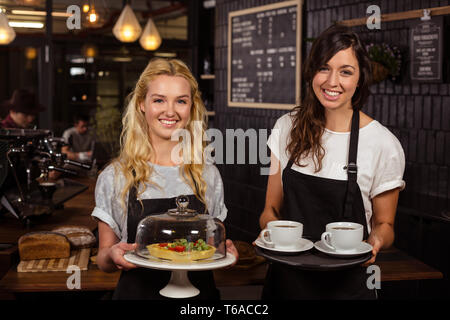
(143, 283)
(315, 202)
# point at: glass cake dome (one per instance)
(181, 235)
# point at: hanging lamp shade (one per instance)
(150, 39)
(7, 34)
(127, 28)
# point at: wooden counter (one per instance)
(77, 211)
(394, 264)
(91, 280)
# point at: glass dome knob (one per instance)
(182, 203)
(182, 207)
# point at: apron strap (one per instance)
(289, 164)
(352, 168)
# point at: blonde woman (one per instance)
(147, 176)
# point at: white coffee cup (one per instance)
(282, 234)
(342, 236)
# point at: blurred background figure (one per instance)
(22, 108)
(80, 140)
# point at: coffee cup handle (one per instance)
(263, 237)
(326, 240)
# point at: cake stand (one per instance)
(179, 285)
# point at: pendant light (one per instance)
(127, 28)
(30, 54)
(150, 39)
(94, 16)
(89, 50)
(86, 8)
(7, 34)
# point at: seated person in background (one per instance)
(80, 146)
(80, 141)
(23, 107)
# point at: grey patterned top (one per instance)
(108, 207)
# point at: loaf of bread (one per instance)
(79, 236)
(43, 245)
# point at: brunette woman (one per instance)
(332, 162)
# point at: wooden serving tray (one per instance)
(79, 258)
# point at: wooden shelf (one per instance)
(207, 76)
(210, 113)
(412, 14)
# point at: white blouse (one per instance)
(380, 159)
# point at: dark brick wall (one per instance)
(245, 188)
(418, 114)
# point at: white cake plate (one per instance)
(179, 285)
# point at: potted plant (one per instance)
(386, 61)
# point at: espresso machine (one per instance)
(27, 159)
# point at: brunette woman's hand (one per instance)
(376, 243)
(116, 254)
(382, 235)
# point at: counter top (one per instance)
(394, 264)
(91, 280)
(76, 211)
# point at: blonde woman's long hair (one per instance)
(135, 146)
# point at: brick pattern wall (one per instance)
(418, 114)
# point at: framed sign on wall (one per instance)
(264, 56)
(426, 43)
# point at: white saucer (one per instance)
(363, 248)
(301, 245)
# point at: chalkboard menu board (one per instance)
(264, 50)
(426, 50)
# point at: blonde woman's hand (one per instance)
(232, 249)
(116, 254)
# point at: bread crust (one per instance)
(43, 245)
(79, 237)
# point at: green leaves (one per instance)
(388, 56)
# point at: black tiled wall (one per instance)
(418, 114)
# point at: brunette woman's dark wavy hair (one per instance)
(309, 116)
